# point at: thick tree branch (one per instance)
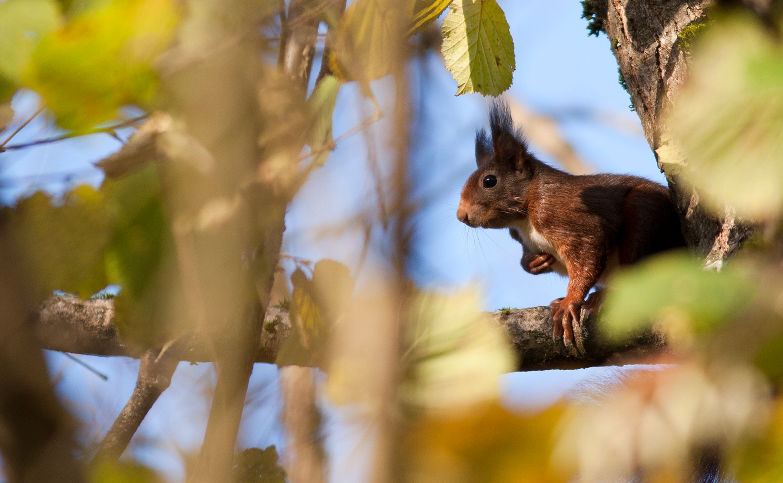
(70, 324)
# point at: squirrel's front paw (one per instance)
(565, 315)
(539, 263)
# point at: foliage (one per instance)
(22, 23)
(101, 60)
(118, 472)
(591, 12)
(675, 290)
(485, 442)
(477, 47)
(689, 35)
(733, 147)
(256, 465)
(191, 231)
(425, 12)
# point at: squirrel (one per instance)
(581, 227)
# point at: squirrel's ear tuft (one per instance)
(508, 144)
(483, 147)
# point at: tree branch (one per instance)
(69, 324)
(155, 373)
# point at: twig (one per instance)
(86, 366)
(108, 129)
(154, 377)
(21, 126)
(333, 143)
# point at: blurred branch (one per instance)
(62, 137)
(155, 371)
(141, 147)
(69, 324)
(544, 132)
(304, 462)
(21, 126)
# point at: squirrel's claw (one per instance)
(565, 315)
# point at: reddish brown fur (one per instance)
(589, 223)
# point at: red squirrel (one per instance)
(578, 226)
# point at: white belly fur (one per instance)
(538, 243)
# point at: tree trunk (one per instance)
(644, 37)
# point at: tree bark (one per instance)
(644, 37)
(69, 324)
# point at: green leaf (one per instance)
(102, 59)
(118, 234)
(477, 47)
(424, 12)
(677, 291)
(321, 105)
(733, 146)
(22, 25)
(139, 234)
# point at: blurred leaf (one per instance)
(769, 357)
(321, 104)
(483, 443)
(102, 59)
(369, 37)
(22, 25)
(477, 47)
(315, 306)
(256, 465)
(123, 472)
(6, 112)
(115, 235)
(63, 242)
(657, 420)
(7, 90)
(454, 353)
(676, 290)
(140, 227)
(761, 457)
(424, 12)
(733, 146)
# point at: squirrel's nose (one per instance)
(462, 214)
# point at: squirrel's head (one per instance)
(493, 196)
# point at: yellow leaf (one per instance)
(454, 353)
(102, 60)
(424, 12)
(477, 47)
(369, 39)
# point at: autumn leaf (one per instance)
(102, 60)
(477, 47)
(424, 12)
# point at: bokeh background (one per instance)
(562, 75)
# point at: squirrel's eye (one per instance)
(489, 181)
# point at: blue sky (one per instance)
(560, 72)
